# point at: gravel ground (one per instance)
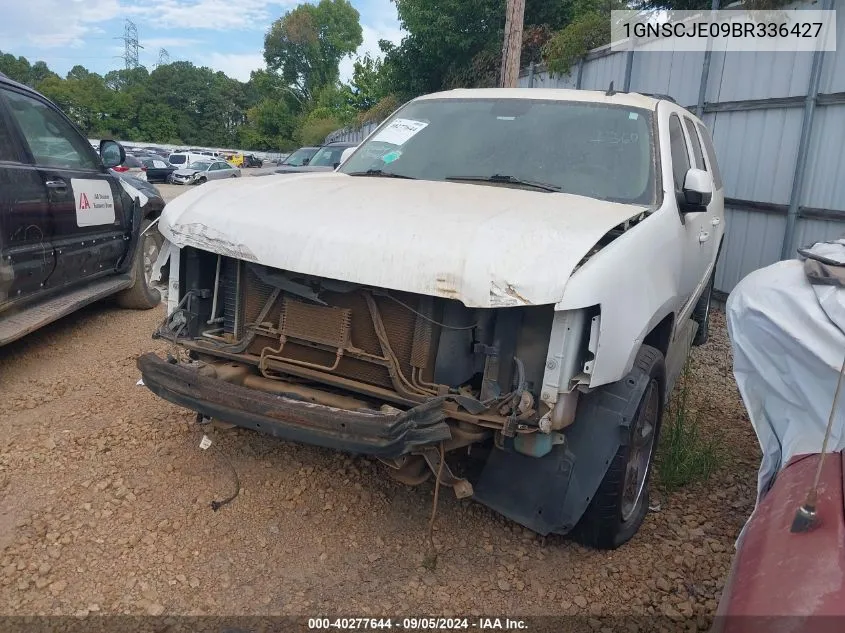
(105, 493)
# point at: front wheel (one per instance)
(201, 181)
(620, 504)
(142, 295)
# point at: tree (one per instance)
(306, 45)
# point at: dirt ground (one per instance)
(105, 508)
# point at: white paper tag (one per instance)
(205, 442)
(159, 164)
(399, 131)
(133, 192)
(93, 200)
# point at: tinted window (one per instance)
(327, 156)
(696, 145)
(51, 139)
(594, 150)
(177, 159)
(298, 158)
(680, 157)
(7, 151)
(711, 156)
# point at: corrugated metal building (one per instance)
(778, 124)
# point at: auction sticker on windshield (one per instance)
(398, 131)
(93, 201)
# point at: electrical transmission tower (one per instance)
(130, 45)
(163, 57)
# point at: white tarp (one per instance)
(788, 340)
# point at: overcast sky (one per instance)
(226, 35)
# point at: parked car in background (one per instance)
(133, 166)
(158, 169)
(251, 160)
(465, 278)
(300, 157)
(181, 160)
(326, 158)
(201, 171)
(71, 231)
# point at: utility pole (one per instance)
(512, 47)
(163, 57)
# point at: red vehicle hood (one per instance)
(777, 573)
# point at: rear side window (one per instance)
(711, 156)
(178, 159)
(680, 156)
(51, 139)
(696, 145)
(7, 149)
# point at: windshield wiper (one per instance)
(380, 173)
(504, 178)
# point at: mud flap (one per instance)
(549, 494)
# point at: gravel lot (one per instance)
(105, 493)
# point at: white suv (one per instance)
(522, 270)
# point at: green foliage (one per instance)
(306, 45)
(586, 32)
(316, 129)
(380, 111)
(686, 454)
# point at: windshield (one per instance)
(199, 166)
(298, 158)
(595, 150)
(327, 156)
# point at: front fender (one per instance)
(635, 280)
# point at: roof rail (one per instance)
(657, 95)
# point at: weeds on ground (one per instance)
(686, 454)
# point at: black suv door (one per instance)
(26, 251)
(90, 222)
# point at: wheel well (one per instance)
(661, 334)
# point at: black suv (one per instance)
(71, 230)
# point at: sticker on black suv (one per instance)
(93, 201)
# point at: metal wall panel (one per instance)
(808, 231)
(599, 72)
(824, 187)
(752, 240)
(678, 74)
(758, 75)
(756, 150)
(833, 70)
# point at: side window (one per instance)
(53, 142)
(711, 156)
(696, 145)
(680, 156)
(7, 148)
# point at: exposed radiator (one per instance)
(347, 315)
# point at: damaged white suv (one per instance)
(523, 270)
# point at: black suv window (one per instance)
(7, 148)
(680, 156)
(51, 139)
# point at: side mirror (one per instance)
(112, 153)
(346, 154)
(697, 192)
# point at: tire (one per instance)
(202, 181)
(614, 516)
(701, 314)
(141, 295)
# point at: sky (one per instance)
(225, 35)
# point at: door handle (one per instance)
(56, 184)
(703, 237)
(716, 221)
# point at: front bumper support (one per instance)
(371, 433)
